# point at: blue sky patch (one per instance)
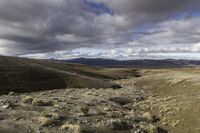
(97, 8)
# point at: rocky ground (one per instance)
(125, 110)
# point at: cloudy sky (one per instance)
(119, 29)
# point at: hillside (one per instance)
(22, 75)
(143, 63)
(176, 97)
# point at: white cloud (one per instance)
(70, 38)
(195, 47)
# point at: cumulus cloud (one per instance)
(99, 28)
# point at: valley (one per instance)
(96, 99)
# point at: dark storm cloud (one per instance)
(49, 26)
(147, 11)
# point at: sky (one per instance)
(114, 29)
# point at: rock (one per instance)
(139, 98)
(40, 102)
(107, 109)
(118, 125)
(17, 118)
(84, 110)
(120, 100)
(11, 93)
(45, 114)
(138, 118)
(139, 131)
(44, 121)
(175, 123)
(27, 99)
(71, 128)
(143, 125)
(58, 106)
(56, 116)
(52, 115)
(148, 116)
(8, 105)
(116, 86)
(152, 129)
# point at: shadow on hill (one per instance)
(29, 79)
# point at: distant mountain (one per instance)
(144, 63)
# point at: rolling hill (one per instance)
(24, 75)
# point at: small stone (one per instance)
(139, 98)
(148, 116)
(139, 131)
(107, 109)
(44, 121)
(40, 102)
(11, 93)
(17, 118)
(143, 125)
(58, 106)
(84, 110)
(118, 125)
(152, 129)
(55, 116)
(27, 99)
(7, 106)
(138, 119)
(116, 86)
(120, 100)
(71, 128)
(164, 123)
(175, 123)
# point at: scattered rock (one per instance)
(118, 125)
(120, 100)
